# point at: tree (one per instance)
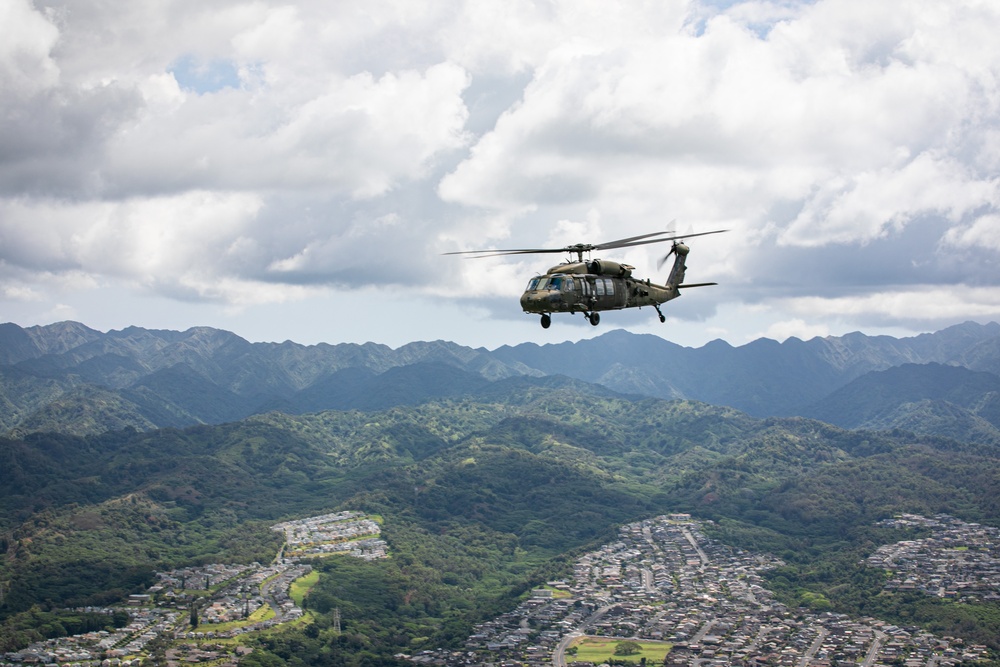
(628, 647)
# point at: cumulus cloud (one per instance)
(357, 136)
(256, 151)
(930, 304)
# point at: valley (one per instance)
(488, 478)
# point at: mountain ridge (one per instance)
(155, 372)
(484, 490)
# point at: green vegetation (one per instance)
(301, 587)
(558, 593)
(598, 650)
(35, 625)
(627, 647)
(480, 501)
(261, 613)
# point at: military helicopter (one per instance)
(591, 286)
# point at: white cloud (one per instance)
(248, 151)
(930, 304)
(171, 243)
(869, 205)
(983, 232)
(357, 136)
(25, 63)
(835, 106)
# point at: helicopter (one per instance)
(592, 286)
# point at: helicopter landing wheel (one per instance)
(660, 313)
(595, 318)
(546, 321)
(663, 319)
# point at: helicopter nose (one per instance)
(538, 300)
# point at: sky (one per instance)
(295, 171)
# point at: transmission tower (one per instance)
(336, 621)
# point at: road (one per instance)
(694, 543)
(702, 631)
(648, 580)
(267, 591)
(759, 637)
(873, 651)
(811, 651)
(559, 653)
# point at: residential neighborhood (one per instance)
(125, 647)
(957, 560)
(353, 532)
(664, 580)
(227, 601)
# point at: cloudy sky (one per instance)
(295, 170)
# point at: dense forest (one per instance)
(481, 500)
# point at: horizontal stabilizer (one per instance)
(686, 285)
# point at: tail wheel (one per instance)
(595, 318)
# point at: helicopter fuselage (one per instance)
(585, 293)
(592, 286)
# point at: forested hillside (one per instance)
(71, 379)
(930, 398)
(480, 497)
(137, 450)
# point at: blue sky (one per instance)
(202, 78)
(294, 171)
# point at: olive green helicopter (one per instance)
(591, 286)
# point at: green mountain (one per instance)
(207, 376)
(136, 450)
(481, 497)
(930, 398)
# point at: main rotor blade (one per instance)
(630, 242)
(691, 236)
(497, 252)
(578, 247)
(627, 243)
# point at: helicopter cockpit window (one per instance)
(569, 285)
(532, 285)
(555, 283)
